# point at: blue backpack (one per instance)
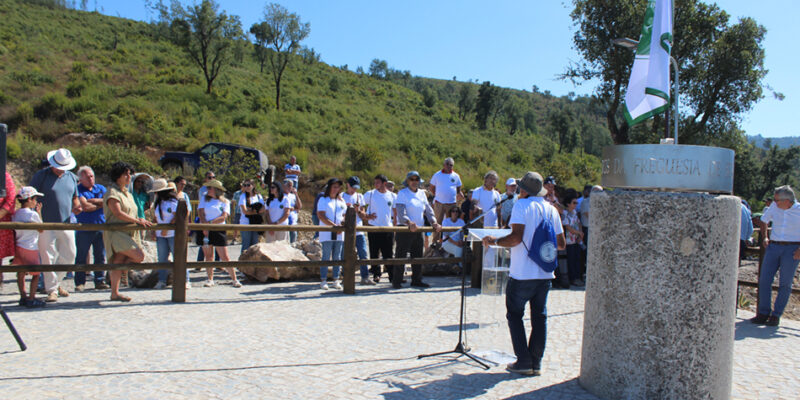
(544, 250)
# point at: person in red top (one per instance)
(6, 211)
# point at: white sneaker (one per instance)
(209, 284)
(367, 281)
(323, 285)
(337, 285)
(160, 285)
(188, 285)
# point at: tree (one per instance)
(466, 100)
(206, 35)
(514, 112)
(564, 127)
(485, 104)
(282, 32)
(379, 69)
(721, 63)
(429, 97)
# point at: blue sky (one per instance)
(514, 44)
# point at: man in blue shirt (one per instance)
(60, 189)
(90, 195)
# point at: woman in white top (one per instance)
(278, 210)
(451, 242)
(251, 206)
(214, 209)
(330, 211)
(164, 207)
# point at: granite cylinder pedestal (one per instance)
(660, 295)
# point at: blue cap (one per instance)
(354, 182)
(411, 174)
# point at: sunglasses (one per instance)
(413, 179)
(246, 185)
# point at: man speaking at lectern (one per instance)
(536, 235)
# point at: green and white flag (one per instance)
(648, 89)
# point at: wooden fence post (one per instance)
(179, 256)
(349, 255)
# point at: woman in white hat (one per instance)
(119, 207)
(214, 209)
(164, 207)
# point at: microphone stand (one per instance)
(12, 329)
(461, 349)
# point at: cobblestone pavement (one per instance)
(291, 340)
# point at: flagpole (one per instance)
(675, 96)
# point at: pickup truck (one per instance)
(180, 161)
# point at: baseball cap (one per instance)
(354, 182)
(511, 181)
(27, 192)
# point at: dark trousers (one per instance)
(408, 243)
(83, 241)
(574, 262)
(380, 246)
(585, 252)
(529, 352)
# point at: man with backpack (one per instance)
(535, 238)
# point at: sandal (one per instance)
(237, 284)
(121, 298)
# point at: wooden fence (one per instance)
(759, 251)
(349, 256)
(180, 264)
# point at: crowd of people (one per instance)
(55, 194)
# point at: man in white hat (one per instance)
(60, 189)
(510, 199)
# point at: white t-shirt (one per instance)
(214, 208)
(446, 186)
(530, 212)
(487, 200)
(165, 214)
(277, 208)
(201, 196)
(456, 236)
(292, 203)
(27, 239)
(380, 204)
(243, 200)
(295, 167)
(415, 203)
(334, 210)
(785, 223)
(355, 199)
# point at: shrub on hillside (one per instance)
(364, 157)
(102, 156)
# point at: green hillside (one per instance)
(132, 90)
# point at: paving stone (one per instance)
(291, 340)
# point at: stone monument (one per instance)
(661, 275)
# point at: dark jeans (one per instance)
(408, 243)
(83, 241)
(574, 261)
(585, 253)
(380, 246)
(518, 293)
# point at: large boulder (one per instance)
(277, 251)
